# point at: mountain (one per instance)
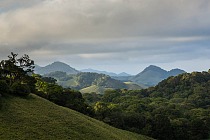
(88, 82)
(55, 66)
(36, 118)
(88, 79)
(152, 75)
(105, 72)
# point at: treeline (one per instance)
(17, 78)
(177, 108)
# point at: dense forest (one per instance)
(177, 108)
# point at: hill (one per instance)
(55, 66)
(152, 75)
(94, 89)
(90, 82)
(35, 118)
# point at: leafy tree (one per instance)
(20, 89)
(16, 72)
(4, 87)
(16, 68)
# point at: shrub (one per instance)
(20, 89)
(4, 88)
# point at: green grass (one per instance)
(133, 86)
(94, 88)
(36, 118)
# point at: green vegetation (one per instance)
(88, 82)
(36, 118)
(177, 108)
(94, 89)
(134, 86)
(15, 75)
(48, 89)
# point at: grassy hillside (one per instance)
(95, 89)
(133, 86)
(36, 118)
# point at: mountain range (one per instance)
(150, 76)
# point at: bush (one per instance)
(4, 87)
(20, 89)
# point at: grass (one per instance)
(133, 86)
(94, 88)
(36, 118)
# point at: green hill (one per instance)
(86, 79)
(95, 89)
(134, 86)
(36, 118)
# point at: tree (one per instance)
(16, 68)
(15, 71)
(161, 128)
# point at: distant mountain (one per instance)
(152, 75)
(88, 82)
(55, 66)
(105, 72)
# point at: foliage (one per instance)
(20, 89)
(16, 73)
(5, 89)
(64, 97)
(87, 81)
(177, 108)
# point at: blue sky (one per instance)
(112, 35)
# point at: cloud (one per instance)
(108, 31)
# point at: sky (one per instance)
(112, 35)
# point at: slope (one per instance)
(94, 89)
(36, 118)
